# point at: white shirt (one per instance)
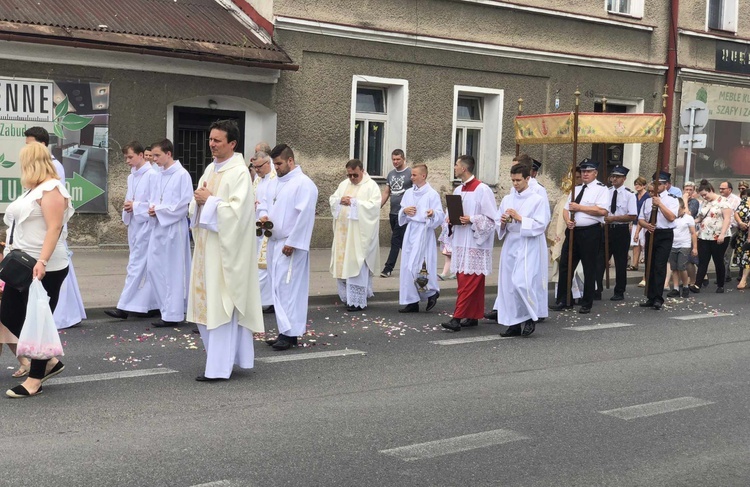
(682, 227)
(596, 194)
(626, 203)
(670, 201)
(734, 202)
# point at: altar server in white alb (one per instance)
(69, 310)
(264, 172)
(169, 257)
(522, 288)
(422, 209)
(138, 295)
(289, 204)
(224, 293)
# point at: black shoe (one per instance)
(694, 289)
(584, 310)
(647, 304)
(166, 324)
(705, 283)
(269, 310)
(152, 312)
(410, 308)
(597, 295)
(385, 273)
(617, 297)
(512, 331)
(203, 378)
(432, 301)
(355, 309)
(284, 342)
(719, 290)
(116, 313)
(454, 325)
(271, 341)
(58, 368)
(196, 331)
(729, 278)
(560, 307)
(528, 328)
(657, 305)
(685, 292)
(674, 293)
(20, 392)
(468, 323)
(492, 315)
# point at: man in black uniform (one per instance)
(584, 217)
(666, 207)
(622, 211)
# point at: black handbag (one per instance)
(17, 268)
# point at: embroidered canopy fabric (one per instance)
(593, 128)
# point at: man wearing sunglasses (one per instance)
(265, 173)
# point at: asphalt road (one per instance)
(624, 396)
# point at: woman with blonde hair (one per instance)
(36, 221)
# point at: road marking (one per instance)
(311, 355)
(112, 375)
(701, 316)
(602, 326)
(458, 444)
(654, 408)
(458, 341)
(218, 483)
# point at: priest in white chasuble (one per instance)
(522, 286)
(264, 174)
(422, 209)
(169, 246)
(289, 204)
(355, 255)
(224, 298)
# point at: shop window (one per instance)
(378, 121)
(477, 124)
(722, 15)
(633, 8)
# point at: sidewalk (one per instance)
(101, 275)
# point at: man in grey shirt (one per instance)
(397, 182)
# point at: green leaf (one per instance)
(2, 157)
(7, 164)
(59, 131)
(61, 108)
(75, 122)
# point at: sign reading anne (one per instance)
(732, 57)
(25, 100)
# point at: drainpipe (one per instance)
(671, 80)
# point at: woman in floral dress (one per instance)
(742, 258)
(714, 218)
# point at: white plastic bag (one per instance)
(39, 338)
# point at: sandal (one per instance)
(742, 285)
(632, 268)
(20, 392)
(22, 371)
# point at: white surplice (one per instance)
(168, 260)
(289, 203)
(138, 295)
(266, 293)
(224, 297)
(522, 286)
(472, 244)
(419, 243)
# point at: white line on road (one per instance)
(654, 408)
(458, 341)
(311, 355)
(602, 326)
(112, 375)
(449, 446)
(701, 316)
(218, 483)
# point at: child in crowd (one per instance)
(684, 245)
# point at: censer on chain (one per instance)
(422, 278)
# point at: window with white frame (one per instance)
(378, 121)
(722, 15)
(477, 128)
(633, 8)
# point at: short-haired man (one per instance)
(224, 295)
(289, 203)
(727, 191)
(397, 182)
(584, 217)
(138, 295)
(355, 255)
(421, 212)
(169, 246)
(472, 242)
(623, 209)
(69, 310)
(662, 232)
(522, 287)
(264, 172)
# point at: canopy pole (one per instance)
(605, 175)
(520, 112)
(571, 233)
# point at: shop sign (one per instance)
(732, 57)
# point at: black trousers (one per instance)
(710, 250)
(657, 274)
(619, 246)
(13, 311)
(397, 239)
(586, 243)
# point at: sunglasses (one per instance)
(264, 228)
(352, 176)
